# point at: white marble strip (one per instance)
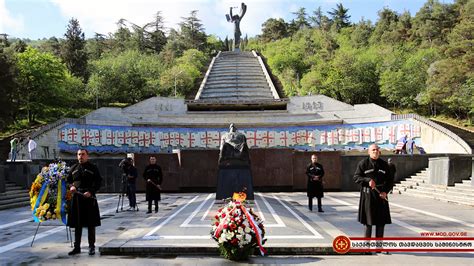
(169, 218)
(309, 227)
(195, 212)
(395, 221)
(277, 218)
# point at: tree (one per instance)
(274, 29)
(51, 45)
(181, 78)
(339, 16)
(433, 21)
(192, 32)
(301, 21)
(127, 77)
(97, 46)
(406, 79)
(155, 32)
(8, 89)
(452, 76)
(74, 53)
(41, 78)
(361, 33)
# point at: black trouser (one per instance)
(378, 230)
(90, 235)
(156, 205)
(310, 203)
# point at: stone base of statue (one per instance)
(234, 178)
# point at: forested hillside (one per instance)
(422, 62)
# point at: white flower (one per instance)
(247, 229)
(248, 238)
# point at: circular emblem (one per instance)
(341, 244)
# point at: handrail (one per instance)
(438, 127)
(56, 124)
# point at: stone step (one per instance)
(468, 182)
(463, 185)
(226, 91)
(443, 196)
(240, 87)
(4, 196)
(15, 199)
(14, 191)
(460, 193)
(237, 98)
(236, 75)
(237, 72)
(462, 189)
(14, 205)
(234, 83)
(236, 95)
(241, 64)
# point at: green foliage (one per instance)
(42, 80)
(8, 89)
(180, 79)
(423, 63)
(126, 77)
(74, 54)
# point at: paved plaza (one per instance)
(179, 232)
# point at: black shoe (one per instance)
(320, 210)
(91, 251)
(74, 251)
(148, 212)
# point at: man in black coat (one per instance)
(85, 180)
(153, 177)
(376, 180)
(315, 173)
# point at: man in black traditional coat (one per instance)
(153, 177)
(376, 180)
(85, 181)
(315, 173)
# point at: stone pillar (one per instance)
(449, 170)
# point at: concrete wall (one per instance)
(272, 170)
(450, 169)
(434, 141)
(406, 166)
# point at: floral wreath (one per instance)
(49, 194)
(237, 229)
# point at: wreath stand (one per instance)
(68, 234)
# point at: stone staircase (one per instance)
(237, 76)
(13, 197)
(418, 186)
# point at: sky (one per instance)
(37, 19)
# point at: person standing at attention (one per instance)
(85, 181)
(315, 173)
(153, 177)
(376, 180)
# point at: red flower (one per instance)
(225, 226)
(234, 241)
(217, 223)
(223, 215)
(233, 227)
(217, 217)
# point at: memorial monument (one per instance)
(234, 174)
(236, 20)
